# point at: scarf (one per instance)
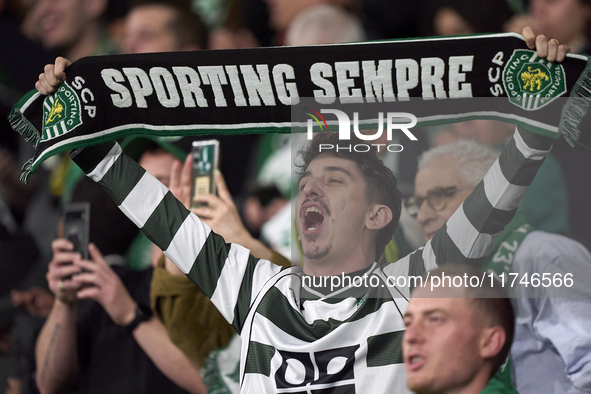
(267, 90)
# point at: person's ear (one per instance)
(378, 217)
(492, 341)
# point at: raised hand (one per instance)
(549, 49)
(61, 270)
(101, 284)
(52, 76)
(221, 213)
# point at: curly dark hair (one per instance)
(381, 182)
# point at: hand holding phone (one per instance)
(77, 226)
(61, 270)
(205, 155)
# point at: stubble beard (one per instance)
(318, 253)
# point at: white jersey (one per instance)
(294, 341)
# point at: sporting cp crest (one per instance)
(532, 82)
(61, 113)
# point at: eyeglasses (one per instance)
(436, 198)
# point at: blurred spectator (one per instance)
(80, 345)
(225, 38)
(72, 28)
(456, 337)
(114, 20)
(20, 253)
(324, 24)
(568, 21)
(159, 26)
(243, 20)
(546, 202)
(283, 12)
(97, 282)
(552, 348)
(459, 17)
(253, 16)
(493, 133)
(17, 74)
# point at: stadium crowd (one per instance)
(125, 318)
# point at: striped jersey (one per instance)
(295, 340)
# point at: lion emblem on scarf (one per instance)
(533, 77)
(56, 109)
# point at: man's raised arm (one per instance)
(56, 351)
(218, 268)
(468, 235)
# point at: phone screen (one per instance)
(205, 156)
(77, 226)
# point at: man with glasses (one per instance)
(445, 191)
(552, 348)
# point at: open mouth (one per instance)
(313, 218)
(414, 362)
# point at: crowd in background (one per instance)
(256, 168)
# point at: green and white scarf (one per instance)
(255, 90)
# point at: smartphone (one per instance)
(206, 157)
(77, 226)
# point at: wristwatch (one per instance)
(142, 313)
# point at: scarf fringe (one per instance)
(27, 171)
(576, 107)
(21, 125)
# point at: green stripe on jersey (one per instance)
(447, 252)
(276, 307)
(445, 249)
(482, 215)
(208, 265)
(243, 304)
(385, 349)
(165, 221)
(516, 168)
(258, 358)
(132, 174)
